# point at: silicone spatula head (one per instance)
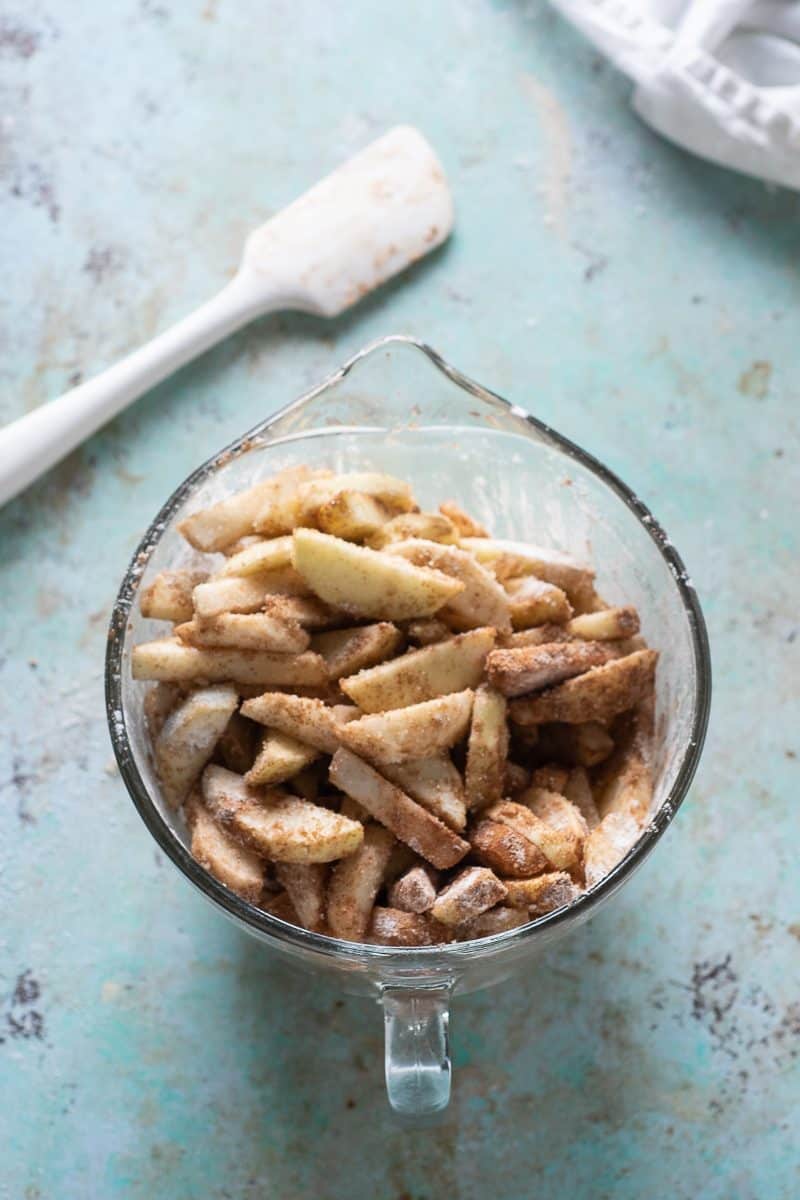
(367, 221)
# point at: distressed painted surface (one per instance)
(644, 303)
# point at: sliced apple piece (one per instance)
(245, 631)
(435, 783)
(509, 558)
(437, 670)
(539, 635)
(534, 602)
(481, 601)
(310, 721)
(369, 583)
(263, 554)
(499, 919)
(172, 660)
(245, 593)
(624, 784)
(277, 825)
(280, 758)
(159, 701)
(307, 611)
(561, 847)
(608, 844)
(414, 732)
(432, 526)
(393, 927)
(305, 887)
(169, 596)
(280, 508)
(394, 493)
(216, 527)
(466, 525)
(349, 650)
(609, 624)
(188, 738)
(578, 790)
(557, 811)
(487, 749)
(597, 695)
(415, 890)
(242, 543)
(427, 631)
(236, 867)
(543, 894)
(506, 851)
(470, 893)
(408, 821)
(355, 882)
(530, 668)
(354, 516)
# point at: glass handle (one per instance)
(417, 1048)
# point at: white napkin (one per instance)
(719, 77)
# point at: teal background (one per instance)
(641, 301)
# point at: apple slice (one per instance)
(418, 731)
(437, 670)
(369, 583)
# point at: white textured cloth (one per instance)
(719, 77)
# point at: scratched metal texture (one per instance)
(645, 304)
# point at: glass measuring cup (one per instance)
(398, 407)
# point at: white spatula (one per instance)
(374, 216)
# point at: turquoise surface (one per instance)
(639, 300)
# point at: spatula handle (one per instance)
(32, 444)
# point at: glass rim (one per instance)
(411, 959)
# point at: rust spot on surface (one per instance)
(755, 380)
(18, 40)
(32, 183)
(27, 989)
(19, 781)
(712, 989)
(101, 261)
(761, 925)
(599, 263)
(741, 1018)
(596, 263)
(22, 1020)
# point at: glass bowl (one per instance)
(398, 407)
